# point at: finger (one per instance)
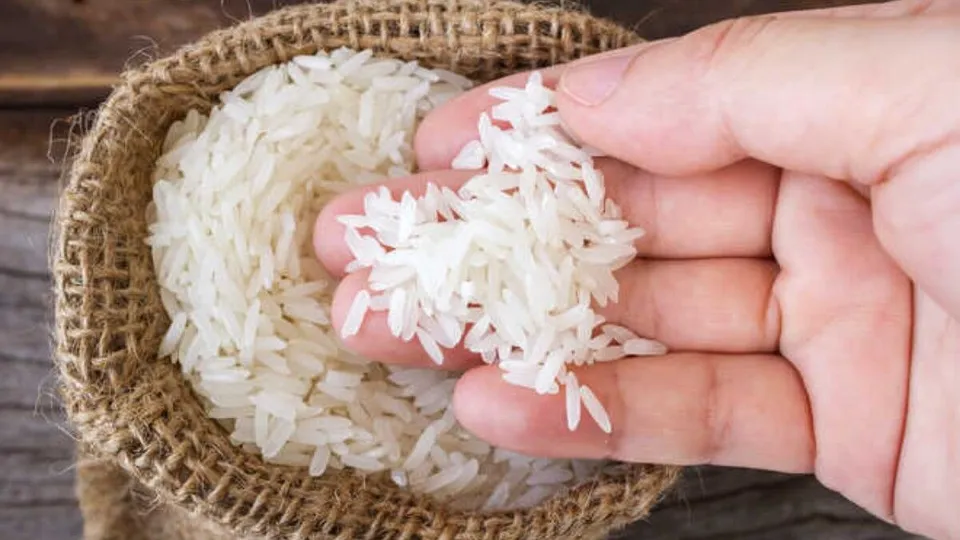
(778, 89)
(445, 130)
(328, 234)
(375, 341)
(846, 325)
(716, 305)
(721, 305)
(682, 409)
(725, 213)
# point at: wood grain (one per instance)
(654, 19)
(36, 454)
(85, 44)
(57, 55)
(734, 504)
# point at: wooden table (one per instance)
(57, 56)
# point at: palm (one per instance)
(846, 326)
(861, 340)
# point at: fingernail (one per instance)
(591, 82)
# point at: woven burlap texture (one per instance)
(147, 445)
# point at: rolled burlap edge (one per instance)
(151, 456)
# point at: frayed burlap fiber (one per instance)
(152, 465)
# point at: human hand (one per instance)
(796, 176)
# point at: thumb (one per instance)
(867, 100)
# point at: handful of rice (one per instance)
(235, 197)
(521, 253)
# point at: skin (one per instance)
(797, 176)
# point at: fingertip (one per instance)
(343, 299)
(328, 235)
(329, 244)
(518, 419)
(493, 410)
(442, 134)
(645, 105)
(374, 339)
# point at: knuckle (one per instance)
(715, 418)
(920, 7)
(918, 196)
(721, 43)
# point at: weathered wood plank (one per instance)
(714, 503)
(54, 521)
(28, 430)
(28, 187)
(655, 19)
(70, 51)
(36, 454)
(26, 385)
(85, 43)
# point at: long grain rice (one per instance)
(236, 193)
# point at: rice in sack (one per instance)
(236, 195)
(285, 466)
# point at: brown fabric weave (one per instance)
(155, 466)
(117, 507)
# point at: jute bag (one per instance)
(151, 464)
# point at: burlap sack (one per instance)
(152, 465)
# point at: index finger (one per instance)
(444, 131)
(836, 97)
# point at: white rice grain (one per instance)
(320, 460)
(430, 346)
(572, 397)
(595, 408)
(643, 347)
(356, 314)
(421, 449)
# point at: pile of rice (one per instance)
(235, 199)
(521, 253)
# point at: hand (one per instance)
(798, 176)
